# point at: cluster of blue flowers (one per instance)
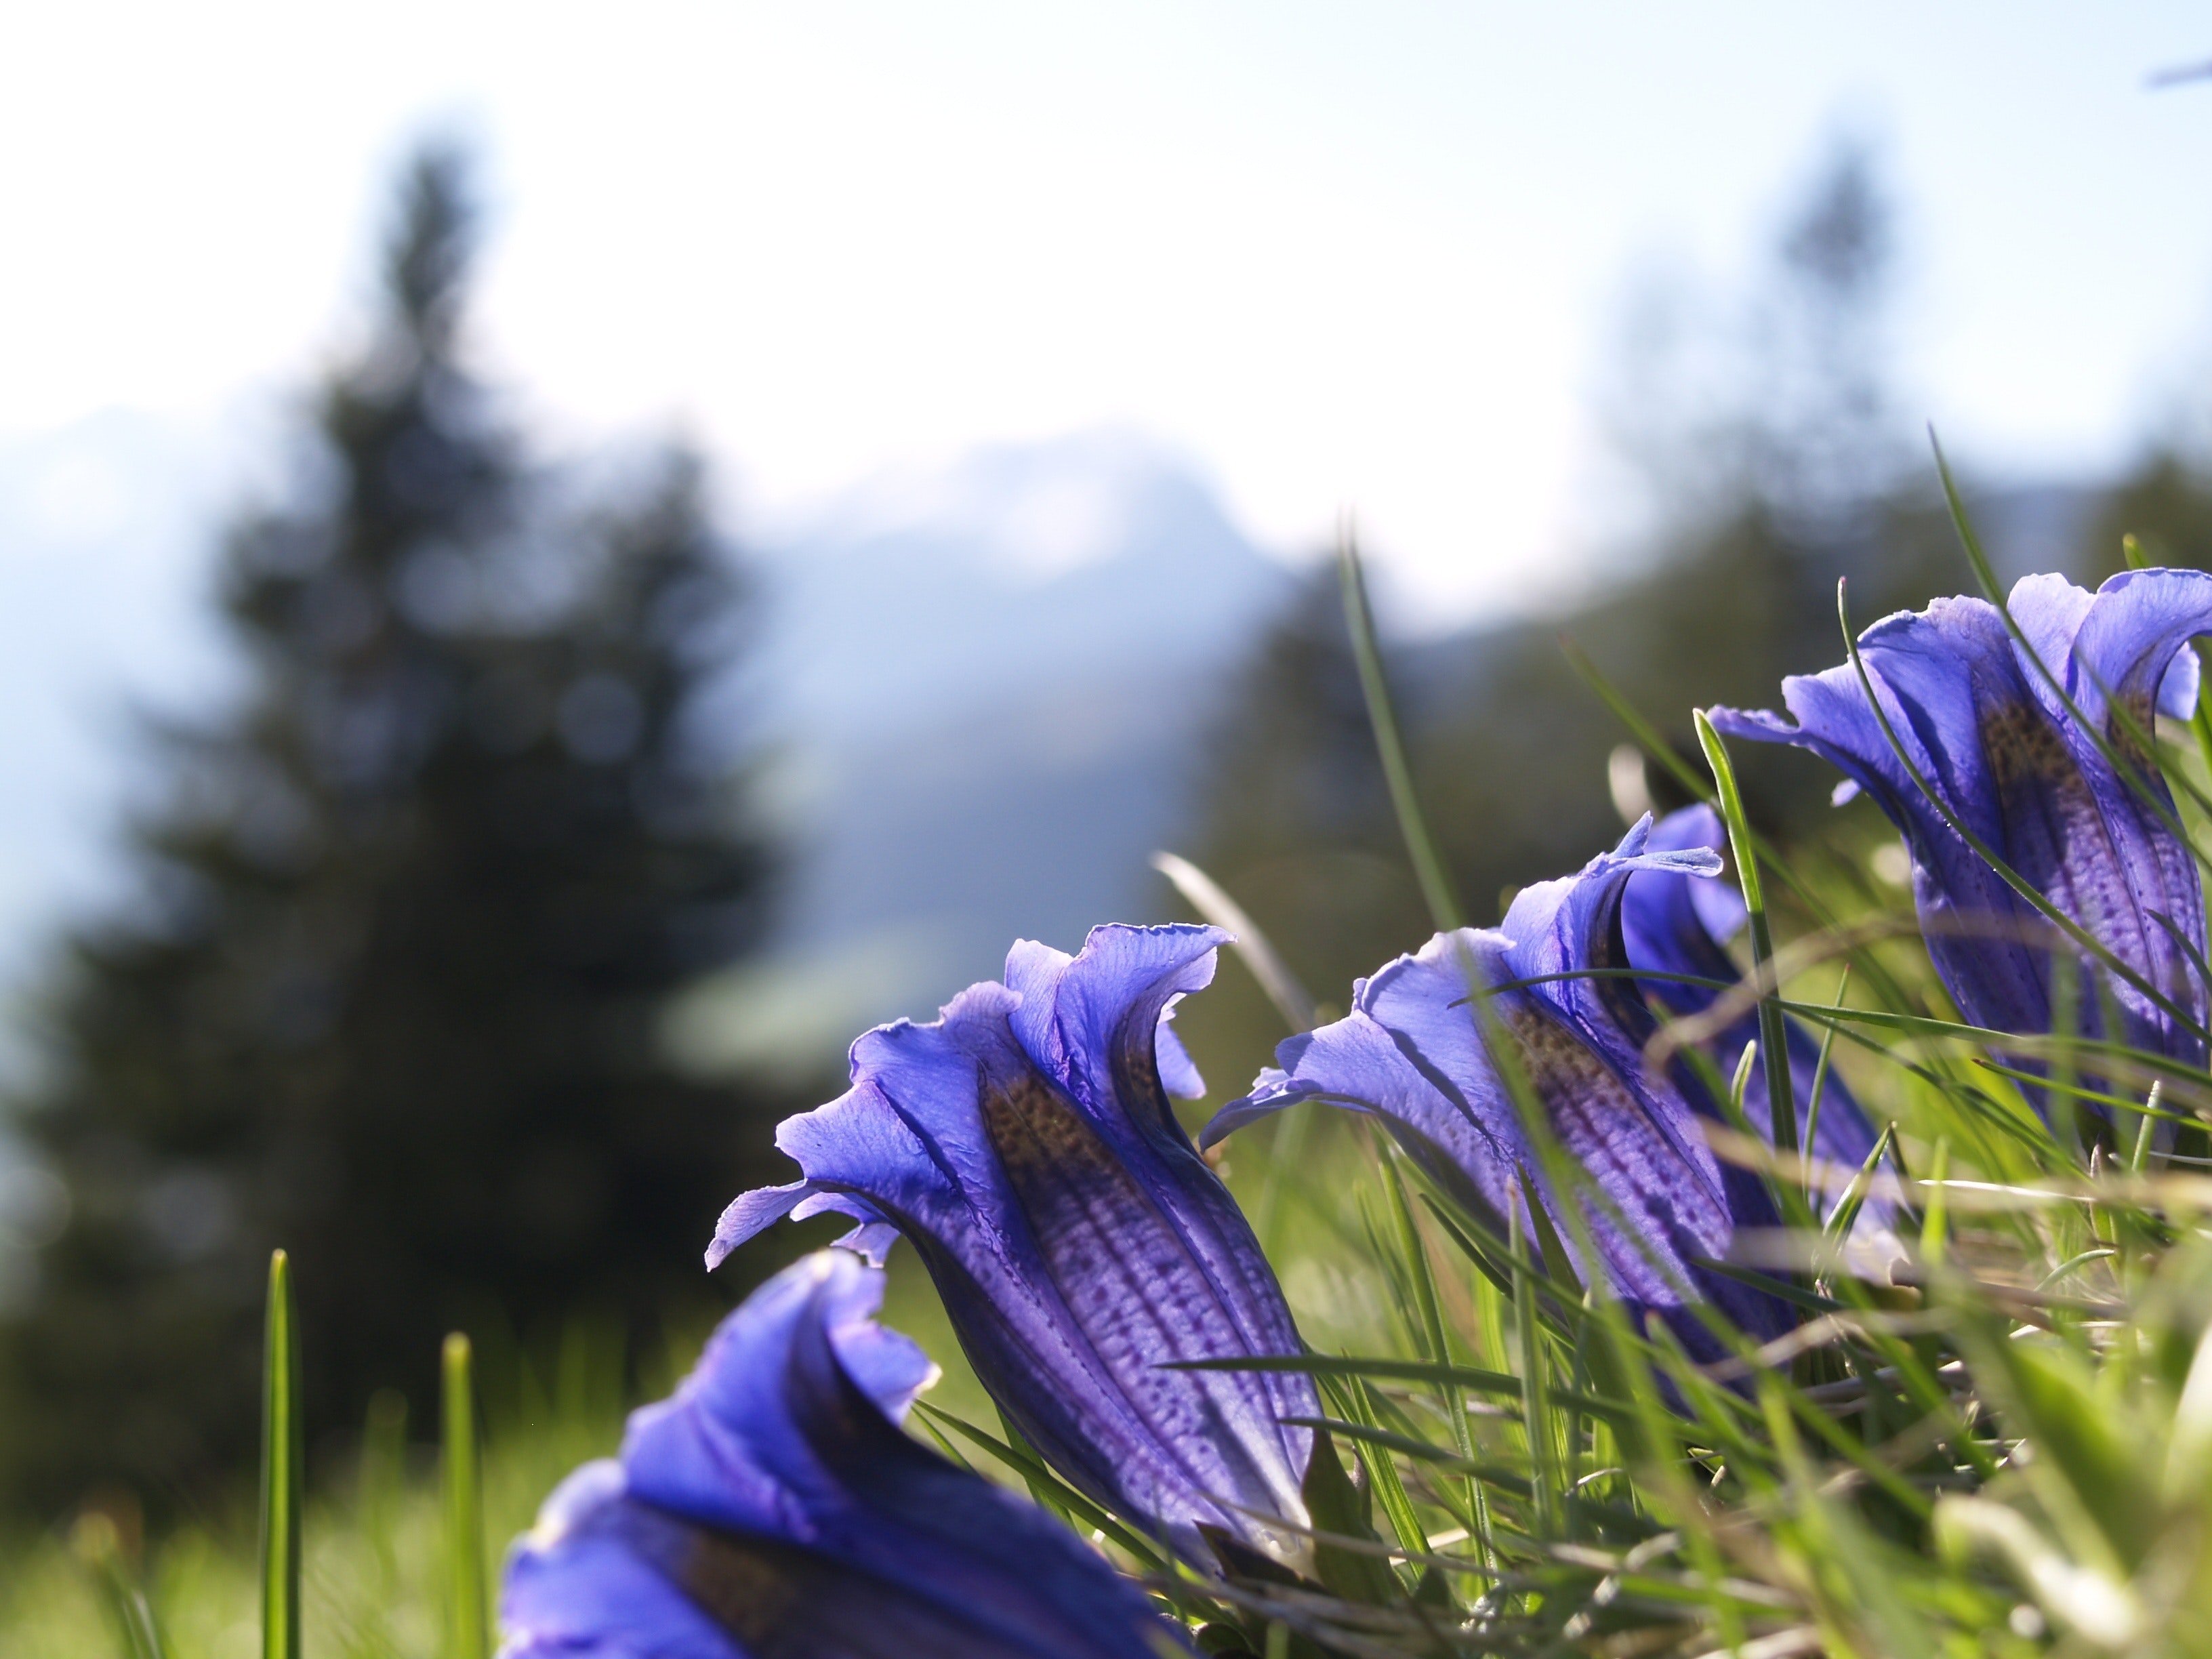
(1025, 1145)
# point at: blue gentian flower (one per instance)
(1413, 1052)
(774, 1508)
(1990, 734)
(1671, 924)
(1026, 1144)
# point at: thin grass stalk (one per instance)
(379, 1493)
(1821, 1074)
(468, 1608)
(1543, 1478)
(1650, 739)
(1389, 747)
(1250, 942)
(283, 1454)
(138, 1632)
(1782, 1105)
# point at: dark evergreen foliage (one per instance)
(1298, 815)
(2165, 503)
(410, 915)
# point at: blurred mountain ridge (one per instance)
(985, 682)
(1018, 563)
(988, 685)
(994, 685)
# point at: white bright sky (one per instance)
(1359, 254)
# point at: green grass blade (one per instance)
(1389, 746)
(379, 1498)
(468, 1600)
(1470, 1378)
(1932, 1219)
(1773, 1035)
(1559, 1272)
(1154, 1555)
(1838, 1228)
(1535, 1408)
(1251, 945)
(138, 1632)
(1655, 744)
(1435, 1343)
(1821, 1075)
(1353, 1402)
(283, 1454)
(1042, 1492)
(1489, 1257)
(1421, 1279)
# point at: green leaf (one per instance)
(468, 1613)
(283, 1452)
(1846, 1213)
(2057, 1404)
(1558, 1268)
(1355, 1403)
(1337, 1506)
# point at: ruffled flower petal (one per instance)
(1414, 1054)
(2019, 745)
(774, 1508)
(1674, 926)
(1024, 1142)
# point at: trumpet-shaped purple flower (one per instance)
(774, 1509)
(1997, 743)
(1026, 1144)
(1673, 925)
(1413, 1052)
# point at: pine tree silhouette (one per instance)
(410, 912)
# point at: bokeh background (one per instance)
(555, 564)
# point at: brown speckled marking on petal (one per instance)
(1138, 1296)
(2055, 832)
(2022, 744)
(1640, 1164)
(2141, 711)
(739, 1582)
(780, 1600)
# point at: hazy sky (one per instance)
(1358, 255)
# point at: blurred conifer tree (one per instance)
(410, 914)
(1297, 812)
(2166, 502)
